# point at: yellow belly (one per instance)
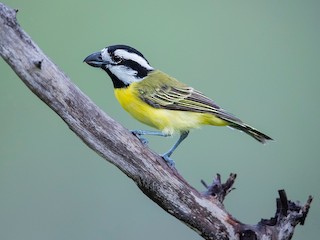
(165, 120)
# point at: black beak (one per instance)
(95, 60)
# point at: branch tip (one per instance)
(288, 213)
(305, 210)
(282, 203)
(218, 189)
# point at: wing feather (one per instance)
(173, 95)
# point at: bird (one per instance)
(159, 100)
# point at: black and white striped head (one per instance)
(123, 64)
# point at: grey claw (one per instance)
(168, 160)
(138, 134)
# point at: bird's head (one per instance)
(123, 64)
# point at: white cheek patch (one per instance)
(126, 75)
(134, 57)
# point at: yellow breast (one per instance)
(165, 120)
(130, 101)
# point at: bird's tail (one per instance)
(259, 136)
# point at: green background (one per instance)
(259, 60)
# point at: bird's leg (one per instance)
(166, 156)
(139, 133)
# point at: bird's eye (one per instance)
(117, 59)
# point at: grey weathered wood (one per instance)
(202, 212)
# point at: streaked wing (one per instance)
(173, 95)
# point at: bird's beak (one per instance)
(95, 60)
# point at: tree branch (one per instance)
(204, 213)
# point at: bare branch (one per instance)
(204, 213)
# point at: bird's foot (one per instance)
(168, 160)
(138, 134)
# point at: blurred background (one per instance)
(258, 60)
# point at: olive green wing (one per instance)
(161, 91)
(168, 93)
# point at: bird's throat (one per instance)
(117, 83)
